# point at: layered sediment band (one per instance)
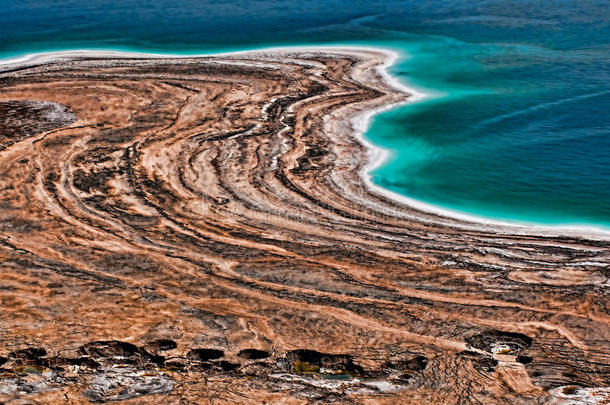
(211, 216)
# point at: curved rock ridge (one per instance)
(199, 229)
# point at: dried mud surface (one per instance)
(196, 230)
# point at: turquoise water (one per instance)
(516, 122)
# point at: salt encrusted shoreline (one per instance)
(377, 156)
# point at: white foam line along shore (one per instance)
(360, 122)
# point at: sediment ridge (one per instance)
(200, 230)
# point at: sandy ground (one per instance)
(201, 230)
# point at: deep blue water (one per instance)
(517, 122)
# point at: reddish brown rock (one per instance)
(198, 230)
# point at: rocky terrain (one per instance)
(198, 230)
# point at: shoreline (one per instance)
(376, 155)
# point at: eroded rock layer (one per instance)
(197, 229)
